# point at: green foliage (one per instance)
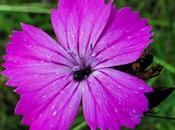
(160, 14)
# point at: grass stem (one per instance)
(24, 9)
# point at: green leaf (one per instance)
(24, 9)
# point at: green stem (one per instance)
(161, 117)
(167, 66)
(24, 9)
(80, 126)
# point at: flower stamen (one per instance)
(81, 74)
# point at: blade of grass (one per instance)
(44, 10)
(80, 126)
(24, 9)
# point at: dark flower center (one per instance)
(81, 74)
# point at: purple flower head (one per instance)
(53, 78)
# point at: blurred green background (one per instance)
(161, 14)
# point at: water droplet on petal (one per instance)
(30, 46)
(53, 107)
(119, 86)
(141, 88)
(40, 115)
(44, 96)
(24, 40)
(133, 111)
(136, 92)
(54, 113)
(36, 75)
(129, 37)
(116, 110)
(51, 126)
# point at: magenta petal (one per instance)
(117, 100)
(32, 56)
(124, 38)
(79, 23)
(53, 107)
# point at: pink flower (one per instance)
(53, 78)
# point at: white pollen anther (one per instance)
(76, 68)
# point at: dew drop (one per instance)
(136, 92)
(141, 88)
(93, 54)
(44, 96)
(36, 75)
(24, 40)
(133, 111)
(113, 47)
(51, 126)
(42, 61)
(116, 110)
(40, 115)
(53, 107)
(129, 37)
(61, 92)
(30, 46)
(120, 86)
(54, 113)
